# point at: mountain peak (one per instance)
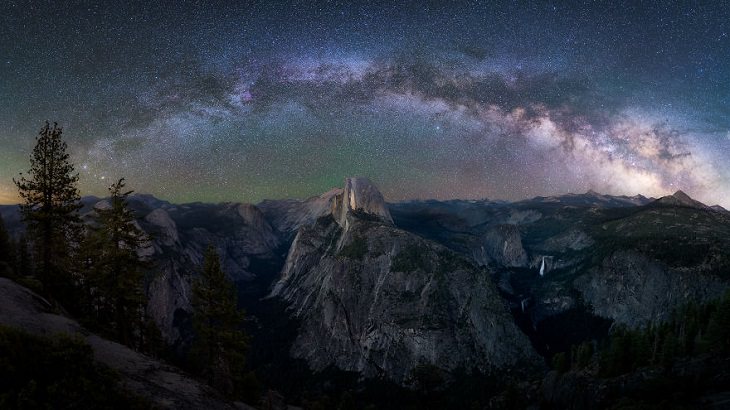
(680, 195)
(680, 198)
(361, 195)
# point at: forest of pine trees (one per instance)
(692, 330)
(94, 271)
(91, 270)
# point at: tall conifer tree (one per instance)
(115, 270)
(220, 345)
(7, 252)
(50, 204)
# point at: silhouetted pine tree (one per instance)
(23, 262)
(219, 347)
(50, 204)
(113, 283)
(7, 252)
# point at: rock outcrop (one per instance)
(636, 290)
(377, 300)
(571, 240)
(287, 215)
(164, 385)
(180, 236)
(501, 245)
(165, 227)
(360, 197)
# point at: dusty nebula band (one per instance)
(217, 102)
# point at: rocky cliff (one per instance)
(656, 259)
(180, 235)
(636, 290)
(377, 300)
(627, 259)
(360, 197)
(501, 245)
(287, 215)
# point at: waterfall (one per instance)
(542, 267)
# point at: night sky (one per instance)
(209, 101)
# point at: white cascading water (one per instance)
(542, 267)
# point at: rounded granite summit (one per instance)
(361, 196)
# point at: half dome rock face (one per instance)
(380, 301)
(360, 196)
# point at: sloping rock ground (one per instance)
(164, 385)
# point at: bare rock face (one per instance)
(286, 216)
(377, 300)
(518, 217)
(501, 245)
(164, 385)
(635, 290)
(380, 301)
(360, 196)
(169, 298)
(180, 235)
(253, 217)
(167, 228)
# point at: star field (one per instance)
(210, 101)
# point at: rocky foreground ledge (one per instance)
(164, 385)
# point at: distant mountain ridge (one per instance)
(680, 198)
(289, 214)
